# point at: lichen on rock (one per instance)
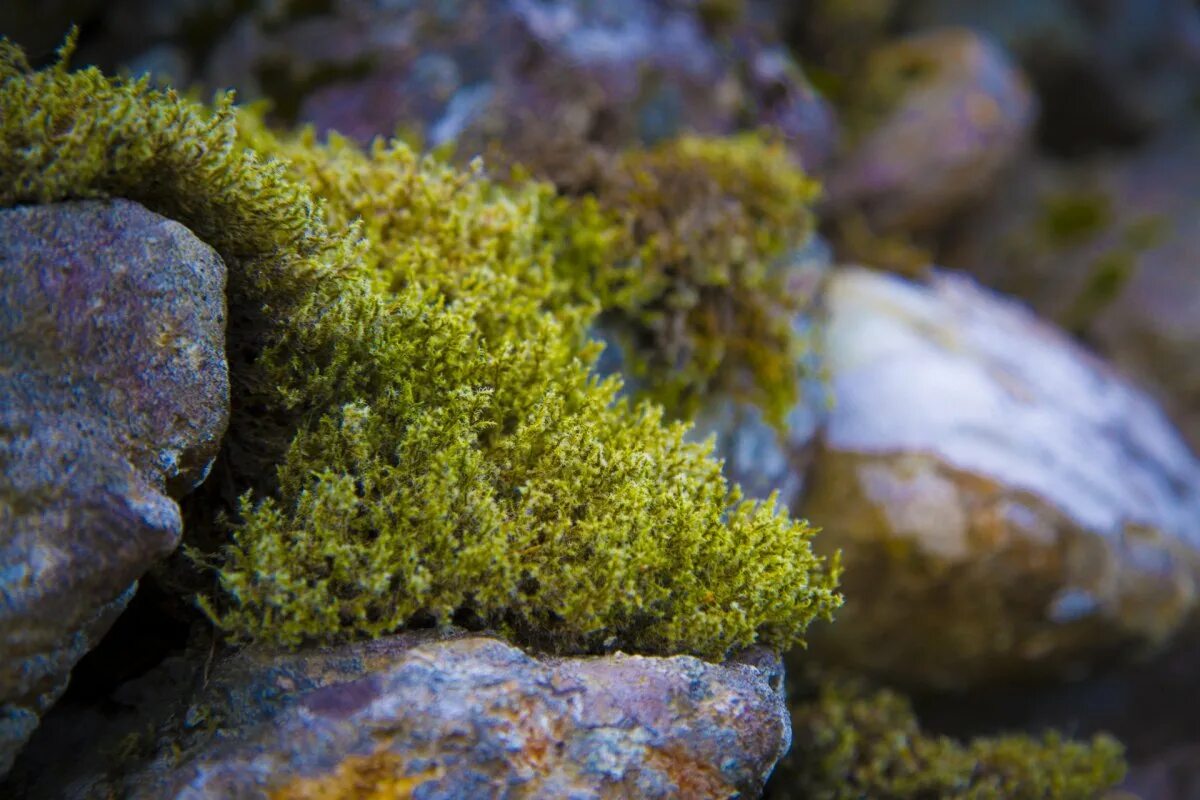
(415, 426)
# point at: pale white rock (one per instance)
(1008, 505)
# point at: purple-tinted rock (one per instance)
(475, 72)
(459, 717)
(942, 115)
(113, 399)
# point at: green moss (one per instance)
(415, 429)
(853, 742)
(719, 14)
(684, 247)
(1070, 219)
(1111, 271)
(1107, 277)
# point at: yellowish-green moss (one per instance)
(684, 246)
(413, 406)
(852, 742)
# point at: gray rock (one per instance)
(113, 399)
(464, 716)
(1007, 505)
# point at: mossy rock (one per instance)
(415, 428)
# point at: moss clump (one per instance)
(412, 402)
(684, 247)
(1074, 218)
(852, 742)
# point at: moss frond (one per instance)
(684, 246)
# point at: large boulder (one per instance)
(1007, 505)
(113, 399)
(457, 716)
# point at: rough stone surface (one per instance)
(1007, 505)
(465, 716)
(113, 399)
(612, 73)
(944, 113)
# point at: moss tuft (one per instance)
(684, 246)
(850, 741)
(415, 429)
(1074, 218)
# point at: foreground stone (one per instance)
(113, 399)
(428, 716)
(1007, 505)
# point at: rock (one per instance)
(461, 717)
(1008, 507)
(938, 117)
(113, 399)
(475, 73)
(1173, 775)
(1107, 247)
(1108, 73)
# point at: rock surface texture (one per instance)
(113, 399)
(424, 715)
(1007, 505)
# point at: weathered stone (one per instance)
(1006, 504)
(941, 114)
(475, 73)
(458, 717)
(113, 399)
